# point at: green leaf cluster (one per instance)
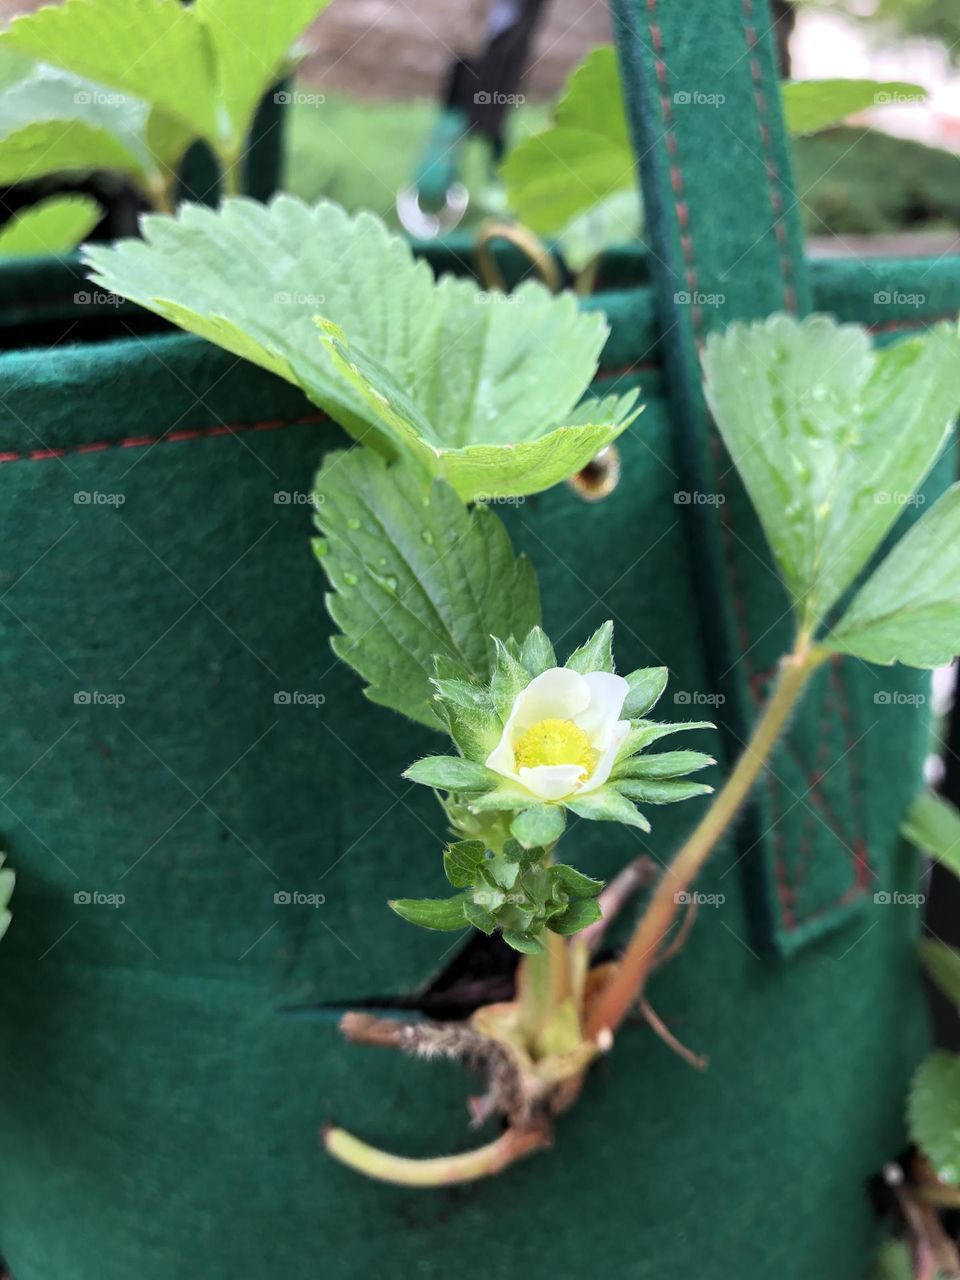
(577, 179)
(832, 439)
(474, 712)
(515, 891)
(128, 85)
(481, 388)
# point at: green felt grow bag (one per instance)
(182, 754)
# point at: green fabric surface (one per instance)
(166, 1065)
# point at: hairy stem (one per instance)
(439, 1171)
(641, 954)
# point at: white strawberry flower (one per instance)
(563, 733)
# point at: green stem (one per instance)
(440, 1171)
(632, 970)
(231, 170)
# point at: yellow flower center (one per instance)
(554, 741)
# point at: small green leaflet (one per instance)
(942, 963)
(53, 226)
(37, 150)
(582, 158)
(934, 1111)
(480, 387)
(812, 105)
(830, 437)
(909, 610)
(432, 913)
(933, 824)
(415, 575)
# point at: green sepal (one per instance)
(576, 917)
(607, 805)
(651, 791)
(540, 826)
(509, 679)
(450, 773)
(574, 882)
(643, 733)
(461, 862)
(668, 764)
(596, 654)
(537, 653)
(646, 688)
(480, 917)
(502, 797)
(933, 824)
(527, 943)
(443, 914)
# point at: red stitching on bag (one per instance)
(171, 437)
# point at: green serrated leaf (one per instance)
(941, 962)
(537, 653)
(830, 437)
(646, 688)
(596, 654)
(647, 791)
(933, 824)
(909, 609)
(539, 827)
(574, 882)
(934, 1111)
(63, 146)
(415, 575)
(461, 862)
(53, 226)
(812, 105)
(527, 943)
(155, 49)
(433, 913)
(451, 773)
(667, 764)
(250, 42)
(481, 391)
(576, 917)
(607, 805)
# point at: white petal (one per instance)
(552, 781)
(607, 696)
(555, 693)
(601, 773)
